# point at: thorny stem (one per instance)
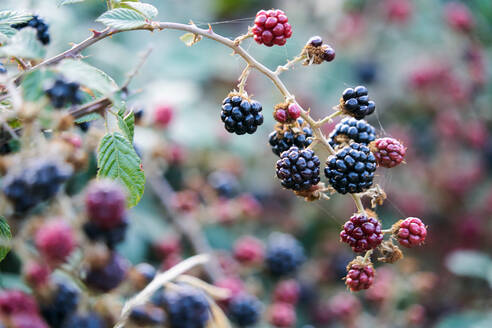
(329, 118)
(289, 64)
(243, 78)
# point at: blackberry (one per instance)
(362, 233)
(41, 28)
(282, 315)
(317, 52)
(355, 102)
(63, 303)
(284, 254)
(224, 183)
(315, 41)
(410, 232)
(286, 136)
(187, 307)
(84, 126)
(148, 315)
(351, 129)
(241, 115)
(244, 310)
(351, 170)
(366, 71)
(271, 27)
(105, 203)
(86, 320)
(298, 169)
(360, 274)
(55, 241)
(110, 236)
(109, 276)
(62, 93)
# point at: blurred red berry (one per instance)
(163, 115)
(55, 240)
(344, 306)
(185, 201)
(36, 274)
(233, 284)
(167, 246)
(398, 11)
(287, 291)
(459, 17)
(27, 320)
(271, 27)
(410, 232)
(382, 287)
(171, 261)
(15, 301)
(389, 152)
(415, 315)
(249, 250)
(282, 315)
(105, 203)
(250, 206)
(360, 275)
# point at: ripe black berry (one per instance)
(148, 315)
(110, 236)
(63, 303)
(109, 276)
(315, 41)
(284, 254)
(187, 307)
(41, 28)
(244, 310)
(351, 169)
(355, 102)
(62, 93)
(85, 320)
(241, 115)
(352, 129)
(298, 169)
(286, 136)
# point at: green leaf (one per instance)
(118, 160)
(145, 9)
(67, 2)
(88, 118)
(5, 237)
(469, 263)
(24, 44)
(127, 125)
(88, 75)
(32, 85)
(122, 19)
(9, 17)
(7, 30)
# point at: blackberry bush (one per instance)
(241, 115)
(298, 169)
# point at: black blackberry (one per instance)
(244, 310)
(241, 115)
(298, 169)
(62, 93)
(148, 315)
(355, 102)
(284, 254)
(352, 129)
(315, 41)
(63, 303)
(108, 277)
(41, 28)
(351, 169)
(84, 126)
(3, 70)
(366, 71)
(86, 320)
(224, 183)
(187, 307)
(286, 136)
(110, 236)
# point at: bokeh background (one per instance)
(427, 65)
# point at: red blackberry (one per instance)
(15, 301)
(244, 310)
(163, 115)
(248, 250)
(355, 102)
(55, 240)
(362, 233)
(105, 203)
(352, 129)
(351, 170)
(271, 27)
(287, 291)
(298, 169)
(36, 274)
(360, 274)
(282, 315)
(389, 152)
(284, 254)
(286, 112)
(241, 115)
(109, 276)
(410, 232)
(286, 136)
(459, 16)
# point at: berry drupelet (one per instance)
(286, 112)
(298, 169)
(355, 102)
(351, 170)
(284, 254)
(187, 307)
(362, 233)
(271, 27)
(241, 115)
(360, 275)
(352, 129)
(286, 136)
(39, 25)
(62, 93)
(410, 232)
(389, 152)
(244, 310)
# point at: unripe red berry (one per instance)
(105, 203)
(398, 11)
(15, 301)
(287, 291)
(459, 17)
(36, 274)
(360, 275)
(294, 111)
(163, 115)
(344, 306)
(280, 115)
(282, 315)
(55, 241)
(362, 233)
(234, 285)
(271, 27)
(410, 232)
(389, 152)
(167, 247)
(249, 250)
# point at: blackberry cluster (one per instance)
(38, 182)
(62, 93)
(284, 254)
(352, 129)
(318, 52)
(298, 169)
(241, 115)
(110, 236)
(362, 233)
(285, 137)
(109, 276)
(41, 27)
(359, 275)
(351, 170)
(355, 102)
(63, 303)
(244, 310)
(271, 27)
(187, 308)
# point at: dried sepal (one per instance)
(390, 252)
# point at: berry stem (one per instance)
(328, 118)
(386, 231)
(289, 64)
(367, 256)
(358, 203)
(241, 38)
(243, 78)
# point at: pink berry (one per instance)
(167, 246)
(360, 275)
(280, 115)
(398, 11)
(249, 250)
(271, 27)
(294, 111)
(234, 285)
(14, 302)
(287, 291)
(459, 17)
(27, 320)
(55, 240)
(362, 233)
(163, 115)
(344, 306)
(36, 274)
(282, 315)
(410, 232)
(389, 152)
(105, 203)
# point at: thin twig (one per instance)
(134, 72)
(243, 78)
